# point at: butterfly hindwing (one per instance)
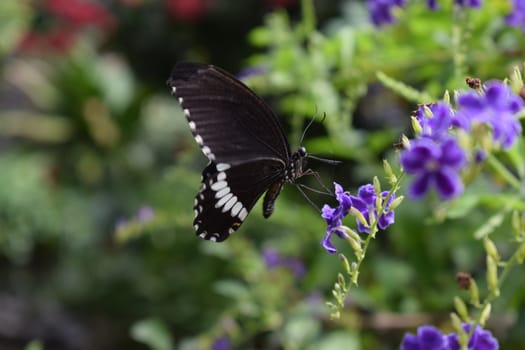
(228, 193)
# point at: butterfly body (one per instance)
(247, 148)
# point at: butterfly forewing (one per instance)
(229, 122)
(243, 140)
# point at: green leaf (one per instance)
(152, 332)
(337, 340)
(34, 345)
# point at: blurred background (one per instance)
(98, 172)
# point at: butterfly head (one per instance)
(295, 169)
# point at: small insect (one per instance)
(245, 143)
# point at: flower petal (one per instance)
(419, 187)
(448, 183)
(410, 342)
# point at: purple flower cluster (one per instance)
(364, 202)
(221, 343)
(273, 260)
(381, 10)
(517, 17)
(430, 338)
(435, 159)
(497, 108)
(143, 216)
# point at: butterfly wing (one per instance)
(229, 193)
(241, 137)
(230, 123)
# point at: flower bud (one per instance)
(359, 216)
(491, 249)
(461, 309)
(345, 263)
(389, 173)
(492, 276)
(356, 246)
(521, 253)
(485, 314)
(396, 202)
(456, 323)
(446, 97)
(416, 125)
(377, 185)
(405, 141)
(474, 292)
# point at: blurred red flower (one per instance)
(187, 10)
(81, 12)
(280, 3)
(57, 40)
(66, 19)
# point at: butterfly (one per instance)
(247, 148)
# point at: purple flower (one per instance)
(145, 214)
(365, 202)
(273, 259)
(497, 108)
(333, 217)
(250, 72)
(221, 343)
(381, 11)
(432, 4)
(481, 340)
(434, 164)
(438, 124)
(427, 338)
(430, 338)
(517, 17)
(469, 3)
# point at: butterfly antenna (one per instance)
(318, 178)
(309, 125)
(315, 190)
(324, 160)
(298, 186)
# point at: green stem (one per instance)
(504, 172)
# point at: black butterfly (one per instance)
(241, 136)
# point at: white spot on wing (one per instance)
(229, 204)
(181, 100)
(187, 112)
(236, 208)
(192, 125)
(198, 138)
(218, 185)
(243, 214)
(195, 227)
(223, 200)
(231, 230)
(221, 176)
(222, 192)
(203, 235)
(173, 89)
(223, 166)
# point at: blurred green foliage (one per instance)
(88, 138)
